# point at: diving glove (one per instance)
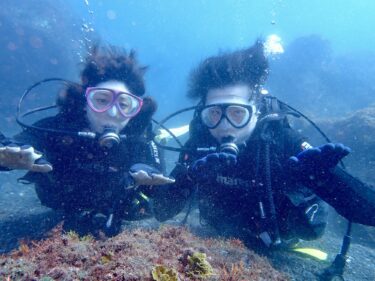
(143, 174)
(208, 167)
(24, 157)
(314, 165)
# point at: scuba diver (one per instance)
(15, 156)
(100, 146)
(253, 176)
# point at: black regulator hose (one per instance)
(335, 271)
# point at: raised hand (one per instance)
(315, 164)
(209, 166)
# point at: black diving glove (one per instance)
(208, 167)
(313, 166)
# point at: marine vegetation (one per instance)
(163, 273)
(166, 254)
(199, 267)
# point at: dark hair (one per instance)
(249, 67)
(142, 120)
(113, 63)
(105, 63)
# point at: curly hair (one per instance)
(113, 63)
(248, 66)
(105, 63)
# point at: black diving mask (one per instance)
(238, 115)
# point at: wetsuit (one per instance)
(87, 179)
(237, 202)
(351, 198)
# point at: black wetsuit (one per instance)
(87, 179)
(231, 202)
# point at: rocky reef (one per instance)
(356, 130)
(169, 253)
(312, 76)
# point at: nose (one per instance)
(113, 111)
(224, 124)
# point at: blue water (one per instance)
(328, 43)
(173, 36)
(47, 38)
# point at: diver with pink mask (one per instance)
(99, 144)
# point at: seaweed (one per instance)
(199, 267)
(163, 273)
(169, 253)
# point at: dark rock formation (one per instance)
(311, 76)
(357, 131)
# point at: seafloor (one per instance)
(144, 245)
(134, 254)
(137, 254)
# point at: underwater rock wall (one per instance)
(312, 77)
(356, 130)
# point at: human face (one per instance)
(111, 117)
(227, 125)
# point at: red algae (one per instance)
(132, 255)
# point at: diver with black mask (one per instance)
(253, 176)
(100, 146)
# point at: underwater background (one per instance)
(327, 71)
(329, 43)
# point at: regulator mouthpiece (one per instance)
(228, 146)
(109, 138)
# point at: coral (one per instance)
(233, 274)
(198, 266)
(106, 258)
(163, 273)
(72, 235)
(136, 255)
